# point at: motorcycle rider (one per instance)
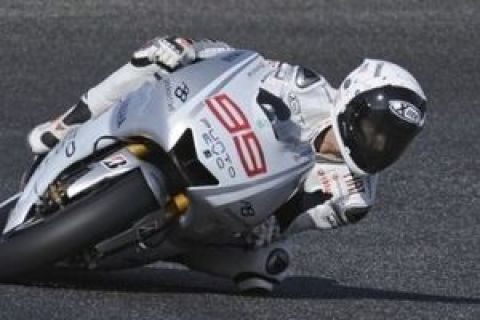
(356, 131)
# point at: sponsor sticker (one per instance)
(217, 149)
(169, 95)
(122, 113)
(115, 161)
(68, 144)
(182, 91)
(246, 209)
(406, 111)
(296, 107)
(70, 149)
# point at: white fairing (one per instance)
(369, 75)
(232, 136)
(78, 144)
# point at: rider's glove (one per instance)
(167, 52)
(263, 234)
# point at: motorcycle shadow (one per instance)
(160, 280)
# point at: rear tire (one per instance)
(83, 223)
(255, 286)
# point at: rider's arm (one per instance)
(117, 86)
(330, 198)
(159, 56)
(207, 48)
(336, 199)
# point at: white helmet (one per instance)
(379, 109)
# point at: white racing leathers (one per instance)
(330, 197)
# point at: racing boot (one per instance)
(46, 135)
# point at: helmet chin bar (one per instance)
(343, 148)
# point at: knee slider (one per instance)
(278, 261)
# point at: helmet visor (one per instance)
(378, 125)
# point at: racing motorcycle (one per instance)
(191, 156)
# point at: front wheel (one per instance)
(99, 215)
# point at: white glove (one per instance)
(351, 196)
(168, 52)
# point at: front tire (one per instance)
(83, 223)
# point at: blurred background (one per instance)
(415, 257)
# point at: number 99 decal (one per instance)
(246, 142)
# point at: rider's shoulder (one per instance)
(306, 77)
(300, 78)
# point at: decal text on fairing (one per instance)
(217, 149)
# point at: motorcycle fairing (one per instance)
(119, 121)
(210, 97)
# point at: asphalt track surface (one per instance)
(417, 254)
